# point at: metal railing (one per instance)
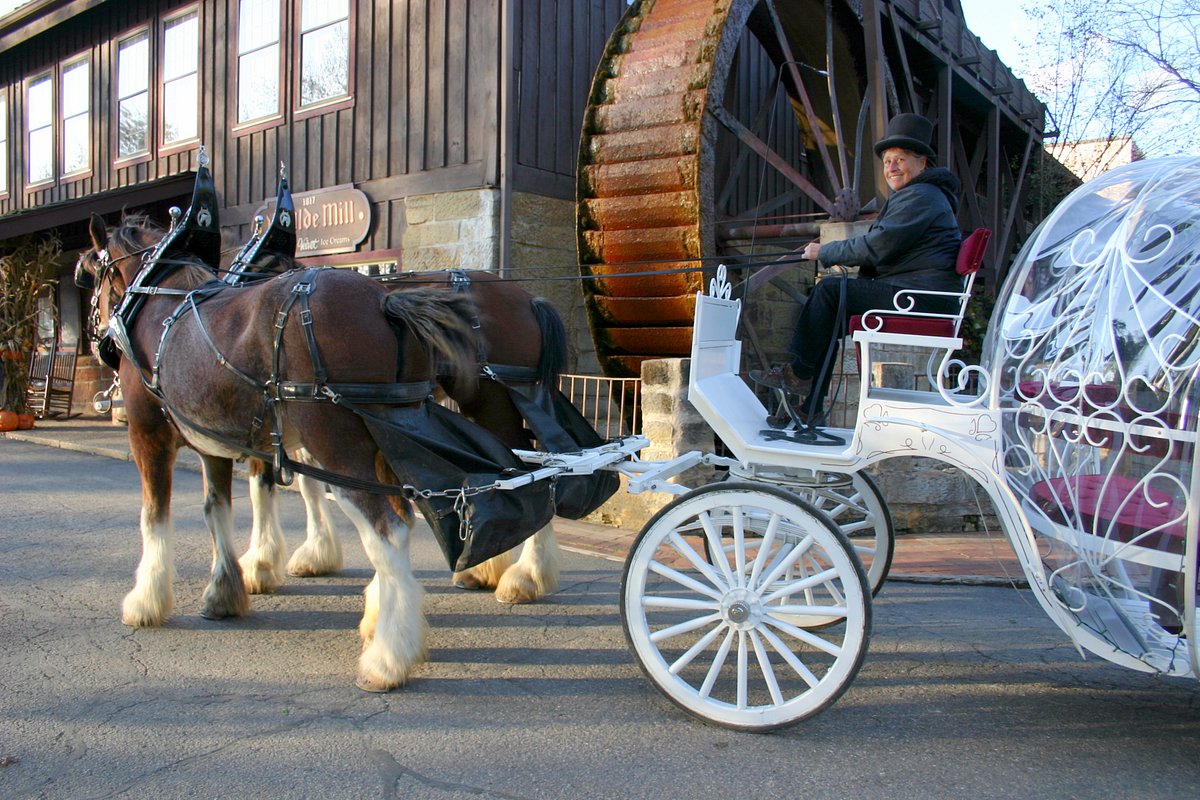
(611, 405)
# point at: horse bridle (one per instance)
(105, 264)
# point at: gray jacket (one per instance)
(914, 241)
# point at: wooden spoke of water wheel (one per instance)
(711, 134)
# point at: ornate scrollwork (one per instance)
(1095, 358)
(719, 286)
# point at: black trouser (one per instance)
(824, 322)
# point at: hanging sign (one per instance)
(331, 220)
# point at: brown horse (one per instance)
(517, 333)
(365, 335)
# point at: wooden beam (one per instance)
(876, 81)
(747, 137)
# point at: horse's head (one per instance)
(111, 263)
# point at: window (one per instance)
(3, 143)
(76, 117)
(180, 87)
(133, 96)
(39, 103)
(258, 60)
(324, 50)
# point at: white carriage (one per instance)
(746, 602)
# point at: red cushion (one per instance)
(1104, 502)
(914, 326)
(970, 252)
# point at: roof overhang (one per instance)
(37, 17)
(67, 213)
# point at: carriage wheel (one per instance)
(855, 505)
(861, 513)
(729, 642)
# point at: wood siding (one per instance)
(556, 47)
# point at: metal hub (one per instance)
(742, 609)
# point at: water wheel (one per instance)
(710, 134)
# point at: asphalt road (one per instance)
(967, 692)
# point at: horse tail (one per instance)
(440, 320)
(553, 357)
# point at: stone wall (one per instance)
(461, 230)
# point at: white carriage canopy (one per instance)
(1093, 362)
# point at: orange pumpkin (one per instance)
(8, 420)
(24, 422)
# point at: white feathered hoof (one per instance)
(140, 611)
(381, 671)
(310, 561)
(259, 576)
(522, 584)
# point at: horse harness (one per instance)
(276, 391)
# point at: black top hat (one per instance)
(908, 131)
(198, 231)
(279, 238)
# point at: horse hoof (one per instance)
(376, 687)
(516, 588)
(468, 580)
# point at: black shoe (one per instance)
(781, 378)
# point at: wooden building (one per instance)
(445, 130)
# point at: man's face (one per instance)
(901, 166)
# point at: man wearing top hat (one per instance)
(912, 244)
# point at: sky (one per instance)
(1002, 26)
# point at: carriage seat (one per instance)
(970, 259)
(1116, 505)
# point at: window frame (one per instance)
(275, 118)
(5, 142)
(31, 185)
(60, 118)
(151, 100)
(297, 62)
(165, 148)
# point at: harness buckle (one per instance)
(304, 287)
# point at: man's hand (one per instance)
(812, 250)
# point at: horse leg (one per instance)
(321, 553)
(262, 563)
(395, 644)
(150, 601)
(225, 595)
(535, 574)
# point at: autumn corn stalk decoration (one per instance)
(28, 268)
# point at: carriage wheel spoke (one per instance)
(714, 545)
(768, 671)
(695, 559)
(678, 603)
(661, 569)
(764, 549)
(743, 669)
(808, 637)
(695, 650)
(684, 627)
(718, 661)
(792, 557)
(803, 585)
(787, 655)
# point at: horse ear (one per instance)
(98, 231)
